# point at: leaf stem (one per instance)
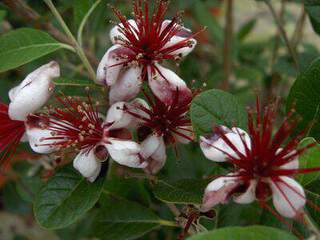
(283, 33)
(77, 47)
(311, 226)
(167, 223)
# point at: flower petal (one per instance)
(249, 195)
(87, 164)
(164, 83)
(218, 191)
(125, 153)
(118, 117)
(127, 86)
(33, 92)
(36, 138)
(288, 197)
(116, 34)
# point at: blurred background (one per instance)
(241, 51)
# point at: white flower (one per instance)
(33, 92)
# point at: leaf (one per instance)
(247, 233)
(121, 219)
(305, 99)
(246, 29)
(186, 191)
(216, 107)
(313, 9)
(65, 198)
(309, 159)
(24, 45)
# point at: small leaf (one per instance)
(187, 191)
(309, 159)
(216, 107)
(247, 233)
(24, 45)
(121, 219)
(65, 198)
(246, 29)
(305, 99)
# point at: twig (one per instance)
(76, 45)
(283, 34)
(227, 49)
(311, 226)
(298, 33)
(21, 9)
(174, 209)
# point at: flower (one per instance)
(159, 125)
(78, 126)
(26, 98)
(264, 164)
(33, 92)
(140, 44)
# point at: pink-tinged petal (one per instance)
(293, 164)
(37, 143)
(215, 148)
(112, 64)
(249, 195)
(87, 165)
(181, 35)
(118, 117)
(288, 197)
(164, 83)
(128, 85)
(33, 92)
(218, 192)
(116, 35)
(153, 150)
(125, 153)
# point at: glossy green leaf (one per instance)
(309, 159)
(216, 107)
(187, 191)
(121, 219)
(304, 97)
(313, 9)
(24, 45)
(247, 233)
(65, 198)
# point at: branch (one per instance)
(21, 9)
(283, 34)
(298, 33)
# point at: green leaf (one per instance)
(187, 191)
(313, 9)
(65, 198)
(24, 45)
(304, 97)
(247, 233)
(309, 159)
(121, 219)
(216, 107)
(246, 29)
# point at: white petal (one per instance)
(150, 145)
(87, 164)
(216, 149)
(218, 191)
(127, 87)
(110, 65)
(33, 92)
(249, 195)
(36, 140)
(165, 83)
(118, 117)
(288, 197)
(181, 35)
(115, 32)
(125, 153)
